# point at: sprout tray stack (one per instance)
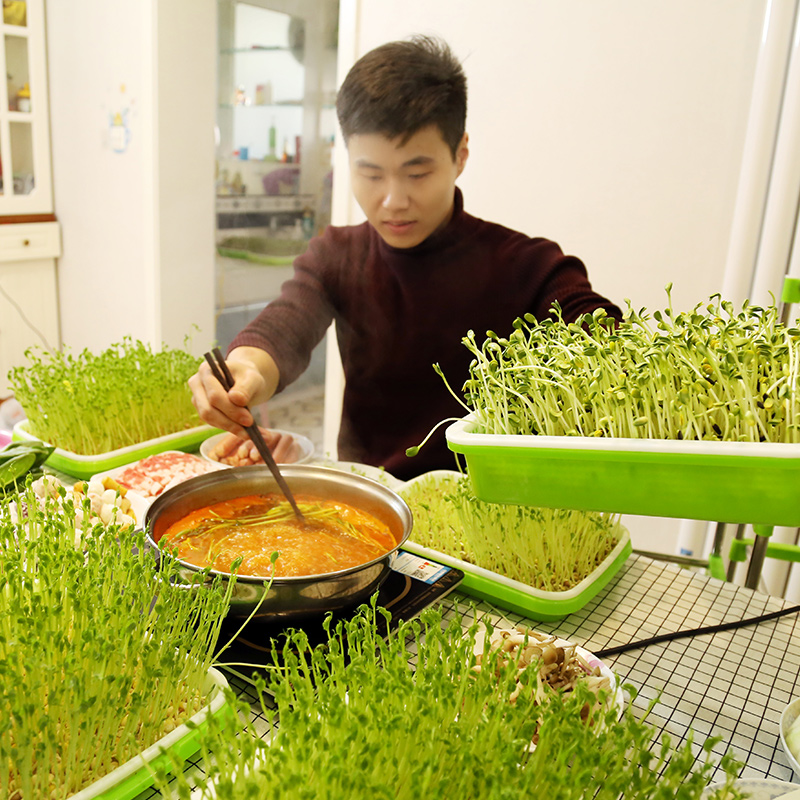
(691, 415)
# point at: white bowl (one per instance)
(788, 717)
(304, 443)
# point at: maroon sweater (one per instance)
(399, 311)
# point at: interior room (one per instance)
(174, 172)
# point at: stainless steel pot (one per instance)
(289, 598)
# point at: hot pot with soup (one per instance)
(237, 519)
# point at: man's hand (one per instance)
(255, 377)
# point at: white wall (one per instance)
(137, 218)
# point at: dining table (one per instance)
(730, 684)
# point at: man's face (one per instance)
(406, 190)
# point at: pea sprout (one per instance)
(352, 718)
(90, 404)
(548, 549)
(712, 373)
(99, 659)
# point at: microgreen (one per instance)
(711, 373)
(549, 549)
(99, 658)
(354, 718)
(91, 404)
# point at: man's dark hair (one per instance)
(402, 87)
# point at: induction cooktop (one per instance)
(414, 583)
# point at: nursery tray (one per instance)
(532, 603)
(736, 482)
(132, 778)
(84, 466)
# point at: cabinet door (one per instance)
(28, 312)
(25, 184)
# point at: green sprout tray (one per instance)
(85, 466)
(532, 603)
(132, 778)
(735, 482)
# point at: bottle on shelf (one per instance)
(263, 94)
(24, 98)
(272, 153)
(308, 223)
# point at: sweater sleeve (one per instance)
(291, 326)
(564, 280)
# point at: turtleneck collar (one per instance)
(436, 241)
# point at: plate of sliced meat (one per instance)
(153, 475)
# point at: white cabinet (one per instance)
(28, 292)
(29, 234)
(24, 137)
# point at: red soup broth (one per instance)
(335, 536)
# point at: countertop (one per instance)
(732, 684)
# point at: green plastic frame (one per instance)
(532, 603)
(718, 481)
(130, 780)
(84, 467)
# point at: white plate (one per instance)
(305, 444)
(148, 499)
(139, 504)
(757, 789)
(499, 625)
(788, 717)
(375, 473)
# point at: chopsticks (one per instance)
(221, 372)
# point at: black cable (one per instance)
(668, 637)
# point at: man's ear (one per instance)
(462, 153)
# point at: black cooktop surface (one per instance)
(413, 584)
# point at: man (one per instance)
(405, 286)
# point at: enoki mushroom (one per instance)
(561, 667)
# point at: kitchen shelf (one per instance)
(273, 105)
(235, 51)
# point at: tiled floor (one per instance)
(301, 412)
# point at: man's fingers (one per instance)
(214, 405)
(284, 450)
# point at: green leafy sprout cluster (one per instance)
(90, 404)
(548, 549)
(711, 373)
(353, 718)
(98, 658)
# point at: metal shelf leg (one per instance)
(763, 532)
